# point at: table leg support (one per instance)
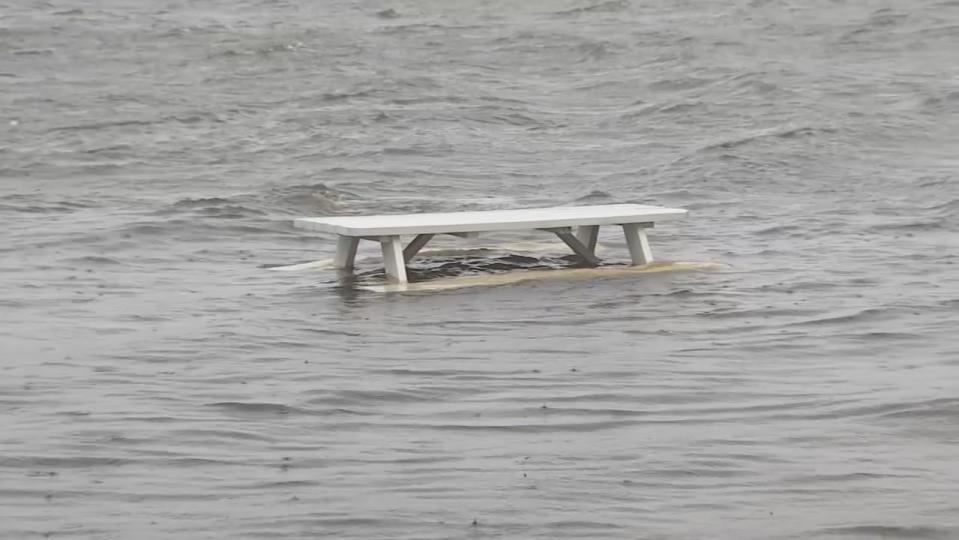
(416, 245)
(393, 259)
(578, 247)
(587, 235)
(638, 244)
(345, 252)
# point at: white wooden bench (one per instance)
(577, 226)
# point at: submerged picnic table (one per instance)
(577, 226)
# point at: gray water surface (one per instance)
(159, 378)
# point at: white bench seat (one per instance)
(577, 226)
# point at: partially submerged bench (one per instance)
(577, 226)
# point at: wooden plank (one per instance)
(393, 261)
(638, 244)
(588, 234)
(578, 247)
(345, 252)
(494, 220)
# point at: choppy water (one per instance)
(159, 379)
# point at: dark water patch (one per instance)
(782, 230)
(63, 462)
(842, 478)
(278, 484)
(388, 14)
(31, 204)
(947, 408)
(433, 28)
(96, 126)
(378, 397)
(266, 409)
(427, 100)
(677, 108)
(946, 209)
(567, 525)
(887, 531)
(33, 52)
(92, 260)
(907, 226)
(225, 434)
(886, 17)
(787, 133)
(948, 101)
(347, 95)
(261, 409)
(523, 428)
(35, 209)
(676, 85)
(432, 266)
(597, 51)
(883, 336)
(868, 315)
(611, 6)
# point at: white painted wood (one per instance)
(493, 220)
(415, 246)
(634, 219)
(393, 261)
(345, 252)
(587, 234)
(638, 244)
(578, 247)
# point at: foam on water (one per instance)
(564, 274)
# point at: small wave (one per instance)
(255, 408)
(865, 315)
(346, 95)
(93, 260)
(910, 225)
(30, 205)
(61, 462)
(888, 531)
(595, 196)
(779, 230)
(216, 207)
(941, 103)
(790, 133)
(611, 6)
(105, 125)
(429, 100)
(674, 85)
(263, 50)
(32, 52)
(597, 51)
(388, 14)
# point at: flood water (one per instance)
(174, 365)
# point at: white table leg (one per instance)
(345, 252)
(578, 247)
(638, 243)
(587, 234)
(393, 259)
